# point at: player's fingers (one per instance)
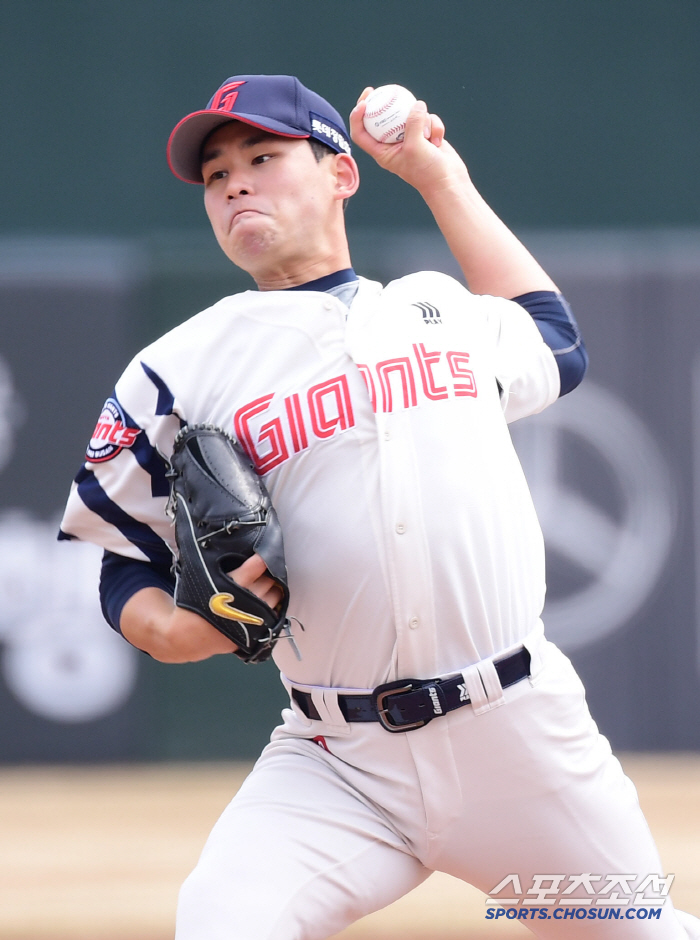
(272, 596)
(359, 134)
(368, 90)
(437, 130)
(358, 113)
(266, 589)
(252, 575)
(249, 572)
(418, 122)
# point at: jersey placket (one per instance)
(405, 543)
(408, 559)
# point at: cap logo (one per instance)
(225, 98)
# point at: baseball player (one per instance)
(431, 726)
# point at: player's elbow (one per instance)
(573, 365)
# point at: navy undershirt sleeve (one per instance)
(559, 330)
(122, 577)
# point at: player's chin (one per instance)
(248, 242)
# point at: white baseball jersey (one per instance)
(411, 540)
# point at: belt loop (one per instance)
(335, 715)
(475, 689)
(492, 684)
(326, 703)
(483, 686)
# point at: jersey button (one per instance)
(400, 528)
(327, 305)
(413, 623)
(387, 435)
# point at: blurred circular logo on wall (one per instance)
(60, 660)
(608, 508)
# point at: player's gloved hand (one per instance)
(187, 637)
(223, 519)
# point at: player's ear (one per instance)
(347, 176)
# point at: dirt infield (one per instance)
(99, 853)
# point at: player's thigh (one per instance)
(297, 855)
(549, 804)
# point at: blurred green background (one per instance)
(570, 112)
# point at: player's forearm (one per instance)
(492, 259)
(151, 622)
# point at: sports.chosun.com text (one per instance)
(579, 897)
(574, 913)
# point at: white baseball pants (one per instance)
(519, 783)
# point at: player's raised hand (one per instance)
(423, 158)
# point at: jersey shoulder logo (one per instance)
(431, 314)
(111, 434)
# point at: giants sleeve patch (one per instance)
(111, 434)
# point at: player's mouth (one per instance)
(243, 214)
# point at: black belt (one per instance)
(412, 703)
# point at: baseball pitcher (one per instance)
(320, 471)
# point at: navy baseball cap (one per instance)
(279, 104)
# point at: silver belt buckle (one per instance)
(382, 692)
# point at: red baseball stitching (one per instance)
(384, 107)
(388, 133)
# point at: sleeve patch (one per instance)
(112, 433)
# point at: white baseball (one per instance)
(386, 111)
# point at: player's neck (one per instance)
(328, 281)
(304, 272)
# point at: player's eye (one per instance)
(215, 175)
(261, 158)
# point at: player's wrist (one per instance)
(152, 622)
(189, 638)
(449, 181)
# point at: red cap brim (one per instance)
(185, 143)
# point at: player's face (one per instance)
(275, 210)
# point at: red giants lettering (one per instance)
(401, 371)
(326, 409)
(408, 386)
(115, 433)
(296, 422)
(270, 433)
(457, 362)
(426, 361)
(330, 407)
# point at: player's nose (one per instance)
(237, 184)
